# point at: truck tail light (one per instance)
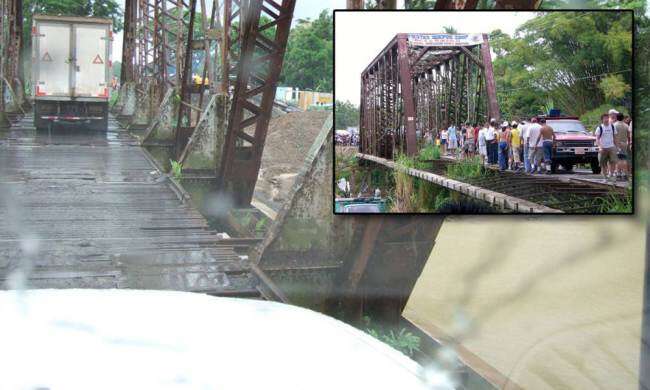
(104, 94)
(39, 92)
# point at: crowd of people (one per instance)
(527, 146)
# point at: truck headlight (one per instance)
(559, 144)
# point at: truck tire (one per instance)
(595, 167)
(99, 125)
(102, 124)
(39, 124)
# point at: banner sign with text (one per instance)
(445, 39)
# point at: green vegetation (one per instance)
(97, 8)
(617, 204)
(575, 60)
(430, 152)
(591, 118)
(468, 168)
(402, 340)
(177, 169)
(405, 195)
(308, 60)
(642, 92)
(347, 115)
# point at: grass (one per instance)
(468, 168)
(402, 340)
(405, 195)
(177, 169)
(616, 204)
(430, 152)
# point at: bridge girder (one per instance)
(11, 49)
(414, 85)
(258, 72)
(244, 39)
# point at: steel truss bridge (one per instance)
(98, 212)
(423, 82)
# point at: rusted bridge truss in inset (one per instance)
(424, 82)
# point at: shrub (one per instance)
(177, 169)
(466, 169)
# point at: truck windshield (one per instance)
(567, 127)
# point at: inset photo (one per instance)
(486, 112)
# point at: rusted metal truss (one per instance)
(11, 27)
(3, 59)
(243, 44)
(417, 84)
(451, 4)
(265, 26)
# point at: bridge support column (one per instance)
(126, 104)
(16, 98)
(162, 129)
(142, 114)
(205, 147)
(342, 265)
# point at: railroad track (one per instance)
(572, 196)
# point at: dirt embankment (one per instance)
(288, 141)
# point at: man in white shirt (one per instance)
(535, 151)
(606, 139)
(491, 141)
(524, 137)
(482, 146)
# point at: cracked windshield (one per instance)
(187, 190)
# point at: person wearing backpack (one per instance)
(607, 148)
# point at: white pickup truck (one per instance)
(71, 70)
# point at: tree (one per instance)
(347, 115)
(308, 59)
(564, 58)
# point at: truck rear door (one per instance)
(53, 59)
(92, 51)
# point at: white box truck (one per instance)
(71, 70)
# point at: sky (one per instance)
(367, 33)
(304, 9)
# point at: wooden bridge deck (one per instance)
(80, 209)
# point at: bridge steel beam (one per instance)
(125, 107)
(258, 71)
(424, 82)
(11, 23)
(4, 17)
